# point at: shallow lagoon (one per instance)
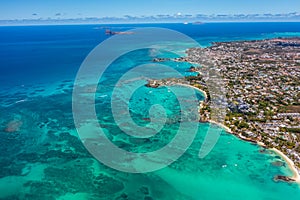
(45, 159)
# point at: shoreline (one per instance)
(227, 129)
(187, 85)
(291, 165)
(296, 175)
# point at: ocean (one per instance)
(42, 156)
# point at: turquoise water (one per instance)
(42, 157)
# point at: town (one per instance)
(262, 84)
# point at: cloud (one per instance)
(160, 18)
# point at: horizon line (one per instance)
(152, 22)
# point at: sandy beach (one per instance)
(187, 85)
(290, 163)
(228, 130)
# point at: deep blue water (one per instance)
(31, 54)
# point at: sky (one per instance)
(67, 9)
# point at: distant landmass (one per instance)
(183, 18)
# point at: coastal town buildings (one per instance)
(262, 83)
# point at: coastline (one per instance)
(227, 129)
(291, 165)
(296, 175)
(187, 85)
